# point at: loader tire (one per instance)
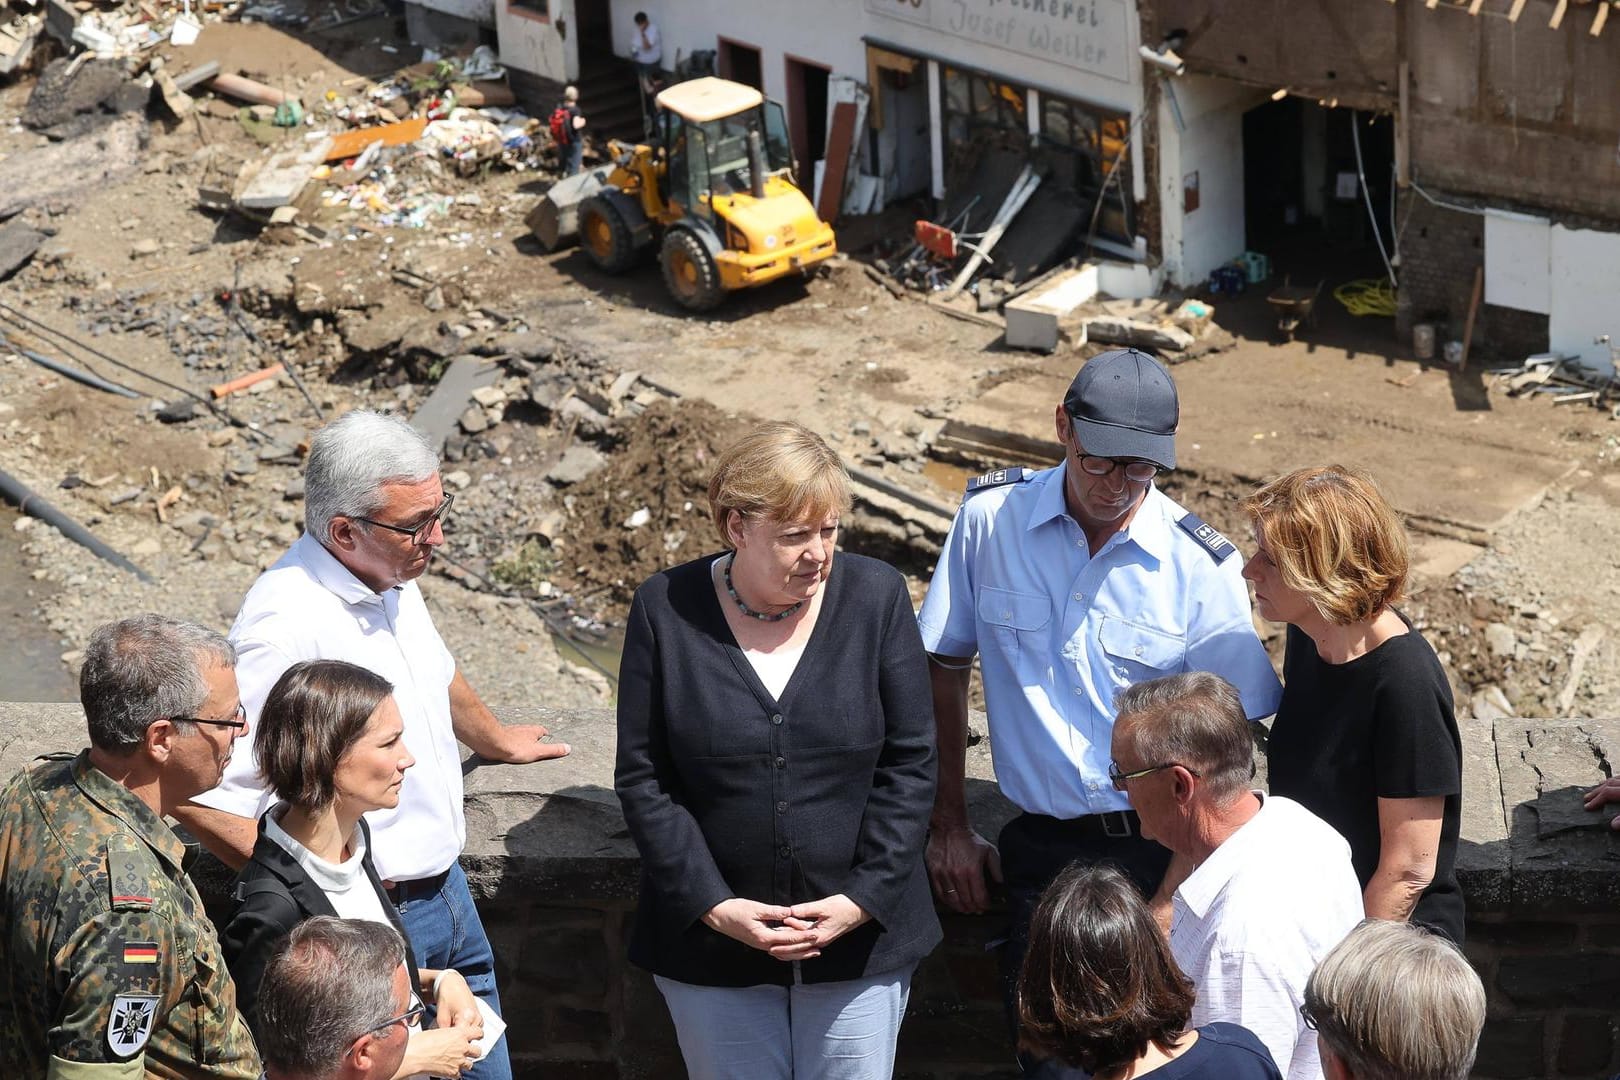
(605, 236)
(689, 272)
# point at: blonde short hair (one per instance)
(1395, 1002)
(1335, 540)
(780, 471)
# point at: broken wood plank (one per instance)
(1558, 15)
(840, 146)
(350, 144)
(177, 101)
(1580, 395)
(242, 382)
(1600, 18)
(1473, 313)
(1516, 11)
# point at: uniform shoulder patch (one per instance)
(129, 874)
(1214, 544)
(130, 1023)
(997, 478)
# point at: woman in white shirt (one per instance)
(330, 743)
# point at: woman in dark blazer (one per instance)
(776, 768)
(329, 741)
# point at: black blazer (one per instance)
(729, 792)
(274, 895)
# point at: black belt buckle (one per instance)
(1116, 825)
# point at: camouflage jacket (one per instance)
(109, 967)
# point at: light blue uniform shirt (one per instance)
(1061, 631)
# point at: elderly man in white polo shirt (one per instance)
(373, 509)
(1272, 888)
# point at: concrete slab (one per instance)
(438, 414)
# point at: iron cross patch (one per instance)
(133, 1017)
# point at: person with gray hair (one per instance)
(336, 1002)
(1272, 888)
(347, 590)
(109, 966)
(1393, 1001)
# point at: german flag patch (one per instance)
(140, 952)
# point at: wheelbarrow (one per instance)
(1294, 305)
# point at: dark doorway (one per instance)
(807, 112)
(595, 18)
(1301, 178)
(741, 63)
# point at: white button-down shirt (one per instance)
(1251, 923)
(1061, 631)
(308, 606)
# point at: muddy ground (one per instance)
(581, 470)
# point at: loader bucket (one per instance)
(555, 218)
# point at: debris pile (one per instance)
(1565, 379)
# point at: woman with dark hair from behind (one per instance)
(1099, 990)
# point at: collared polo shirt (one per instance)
(1060, 631)
(1251, 923)
(308, 606)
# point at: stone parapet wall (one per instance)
(554, 871)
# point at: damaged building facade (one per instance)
(1487, 134)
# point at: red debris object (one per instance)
(937, 239)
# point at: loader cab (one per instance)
(705, 128)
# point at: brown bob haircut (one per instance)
(780, 471)
(314, 715)
(1335, 540)
(1098, 983)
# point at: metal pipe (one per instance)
(73, 373)
(30, 502)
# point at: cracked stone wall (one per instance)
(554, 872)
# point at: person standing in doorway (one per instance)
(647, 51)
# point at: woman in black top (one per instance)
(776, 769)
(330, 742)
(1366, 736)
(1099, 990)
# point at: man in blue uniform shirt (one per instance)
(1070, 584)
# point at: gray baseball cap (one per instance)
(1124, 405)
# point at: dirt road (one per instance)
(1509, 499)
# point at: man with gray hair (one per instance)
(347, 590)
(109, 966)
(1272, 888)
(336, 1002)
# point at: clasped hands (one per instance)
(798, 932)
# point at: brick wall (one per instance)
(1440, 250)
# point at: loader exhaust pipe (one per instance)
(756, 164)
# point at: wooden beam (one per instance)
(1600, 18)
(1473, 313)
(1558, 15)
(1473, 8)
(1517, 10)
(1431, 3)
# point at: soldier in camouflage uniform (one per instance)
(109, 967)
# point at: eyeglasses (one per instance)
(418, 533)
(411, 1017)
(1305, 1015)
(1119, 778)
(239, 724)
(1139, 471)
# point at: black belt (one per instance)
(401, 891)
(1114, 825)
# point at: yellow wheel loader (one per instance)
(713, 191)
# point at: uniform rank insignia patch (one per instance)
(1214, 544)
(133, 1016)
(996, 478)
(140, 952)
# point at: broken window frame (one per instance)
(1102, 134)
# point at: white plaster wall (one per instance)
(534, 45)
(479, 11)
(1212, 145)
(1585, 283)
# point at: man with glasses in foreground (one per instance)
(109, 966)
(336, 1003)
(374, 510)
(1070, 584)
(1272, 889)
